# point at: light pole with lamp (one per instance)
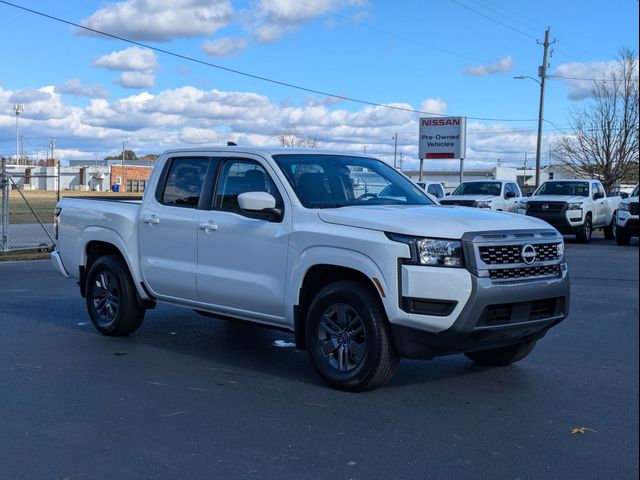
(540, 119)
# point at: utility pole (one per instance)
(542, 73)
(124, 176)
(401, 160)
(4, 185)
(395, 149)
(52, 146)
(18, 108)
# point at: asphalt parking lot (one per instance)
(192, 397)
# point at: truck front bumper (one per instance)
(496, 314)
(567, 222)
(629, 222)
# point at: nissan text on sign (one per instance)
(442, 137)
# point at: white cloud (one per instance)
(225, 46)
(160, 20)
(505, 64)
(137, 64)
(135, 80)
(274, 18)
(433, 105)
(76, 88)
(577, 87)
(193, 116)
(132, 58)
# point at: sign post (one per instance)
(443, 138)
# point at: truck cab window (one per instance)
(184, 182)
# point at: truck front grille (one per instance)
(525, 272)
(546, 207)
(506, 254)
(461, 203)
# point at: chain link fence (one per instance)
(27, 211)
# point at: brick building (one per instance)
(130, 178)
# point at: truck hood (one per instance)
(435, 221)
(557, 198)
(477, 198)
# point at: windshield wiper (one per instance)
(332, 205)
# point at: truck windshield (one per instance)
(478, 188)
(635, 191)
(332, 181)
(574, 189)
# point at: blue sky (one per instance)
(454, 57)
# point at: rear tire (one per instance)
(610, 230)
(503, 356)
(622, 236)
(111, 297)
(348, 338)
(584, 235)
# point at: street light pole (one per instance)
(18, 108)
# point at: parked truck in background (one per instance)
(297, 240)
(627, 224)
(498, 195)
(573, 207)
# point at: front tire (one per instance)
(503, 356)
(622, 236)
(111, 297)
(584, 235)
(610, 230)
(348, 338)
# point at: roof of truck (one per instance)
(264, 150)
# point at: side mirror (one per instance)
(529, 194)
(447, 194)
(598, 195)
(624, 195)
(260, 203)
(510, 194)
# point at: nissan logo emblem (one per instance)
(528, 254)
(545, 207)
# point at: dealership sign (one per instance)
(443, 137)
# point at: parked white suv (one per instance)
(627, 224)
(574, 207)
(307, 242)
(498, 195)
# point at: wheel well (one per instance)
(93, 251)
(316, 278)
(98, 249)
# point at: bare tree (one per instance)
(604, 139)
(291, 138)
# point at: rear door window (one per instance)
(185, 178)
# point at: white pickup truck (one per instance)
(574, 207)
(283, 238)
(498, 195)
(627, 224)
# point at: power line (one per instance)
(589, 79)
(506, 25)
(246, 74)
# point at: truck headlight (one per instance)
(574, 206)
(561, 249)
(434, 252)
(623, 207)
(483, 204)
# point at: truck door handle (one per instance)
(152, 220)
(208, 227)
